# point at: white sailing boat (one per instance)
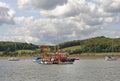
(13, 58)
(111, 57)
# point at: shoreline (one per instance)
(22, 57)
(75, 56)
(92, 56)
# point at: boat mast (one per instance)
(56, 48)
(112, 47)
(15, 47)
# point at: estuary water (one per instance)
(82, 70)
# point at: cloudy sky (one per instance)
(55, 21)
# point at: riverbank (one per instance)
(81, 56)
(94, 55)
(22, 57)
(77, 56)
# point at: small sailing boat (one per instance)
(111, 57)
(14, 58)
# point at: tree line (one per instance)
(91, 45)
(11, 48)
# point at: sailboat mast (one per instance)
(112, 46)
(15, 44)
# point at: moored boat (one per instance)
(58, 58)
(37, 59)
(13, 59)
(110, 58)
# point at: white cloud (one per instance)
(23, 4)
(64, 20)
(6, 14)
(51, 31)
(86, 12)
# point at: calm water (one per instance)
(82, 70)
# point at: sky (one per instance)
(49, 22)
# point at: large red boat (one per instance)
(57, 57)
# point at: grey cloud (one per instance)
(70, 9)
(41, 4)
(111, 6)
(6, 15)
(113, 9)
(48, 4)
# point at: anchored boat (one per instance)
(110, 58)
(57, 58)
(13, 59)
(37, 59)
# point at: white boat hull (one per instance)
(110, 58)
(56, 63)
(13, 59)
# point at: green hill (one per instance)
(92, 45)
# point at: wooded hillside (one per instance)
(92, 45)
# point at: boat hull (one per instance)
(110, 58)
(60, 63)
(13, 59)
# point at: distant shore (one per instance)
(81, 56)
(22, 57)
(92, 56)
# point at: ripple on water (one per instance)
(83, 70)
